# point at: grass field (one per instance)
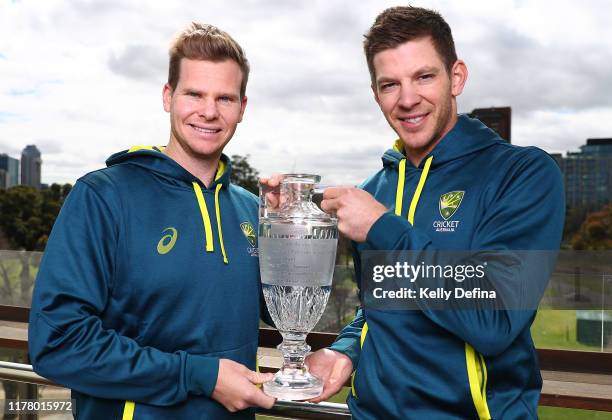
(556, 329)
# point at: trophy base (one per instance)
(293, 385)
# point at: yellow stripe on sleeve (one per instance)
(476, 373)
(364, 332)
(128, 410)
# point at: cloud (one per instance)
(49, 146)
(552, 132)
(9, 149)
(8, 116)
(310, 105)
(510, 68)
(23, 92)
(139, 62)
(97, 8)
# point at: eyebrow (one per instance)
(419, 71)
(384, 80)
(427, 69)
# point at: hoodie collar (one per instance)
(466, 137)
(154, 159)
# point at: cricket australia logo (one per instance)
(448, 205)
(249, 233)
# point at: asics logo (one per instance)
(166, 243)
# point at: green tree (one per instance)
(596, 231)
(574, 218)
(27, 214)
(244, 174)
(21, 222)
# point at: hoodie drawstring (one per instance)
(210, 247)
(218, 212)
(399, 199)
(399, 193)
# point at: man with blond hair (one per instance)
(146, 303)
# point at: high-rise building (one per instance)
(498, 119)
(588, 174)
(9, 171)
(30, 166)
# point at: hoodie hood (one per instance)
(468, 136)
(155, 160)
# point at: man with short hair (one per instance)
(448, 183)
(146, 303)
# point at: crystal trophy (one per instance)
(297, 253)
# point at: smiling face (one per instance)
(417, 95)
(205, 109)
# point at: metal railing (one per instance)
(20, 372)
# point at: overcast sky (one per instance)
(82, 79)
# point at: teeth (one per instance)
(205, 130)
(414, 120)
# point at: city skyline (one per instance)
(25, 170)
(83, 79)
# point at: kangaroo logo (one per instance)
(166, 243)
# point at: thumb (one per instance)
(259, 378)
(262, 400)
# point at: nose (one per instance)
(208, 109)
(409, 96)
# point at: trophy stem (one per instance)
(293, 381)
(294, 349)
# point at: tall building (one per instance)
(30, 166)
(588, 174)
(498, 119)
(9, 171)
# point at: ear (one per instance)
(459, 74)
(167, 97)
(243, 104)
